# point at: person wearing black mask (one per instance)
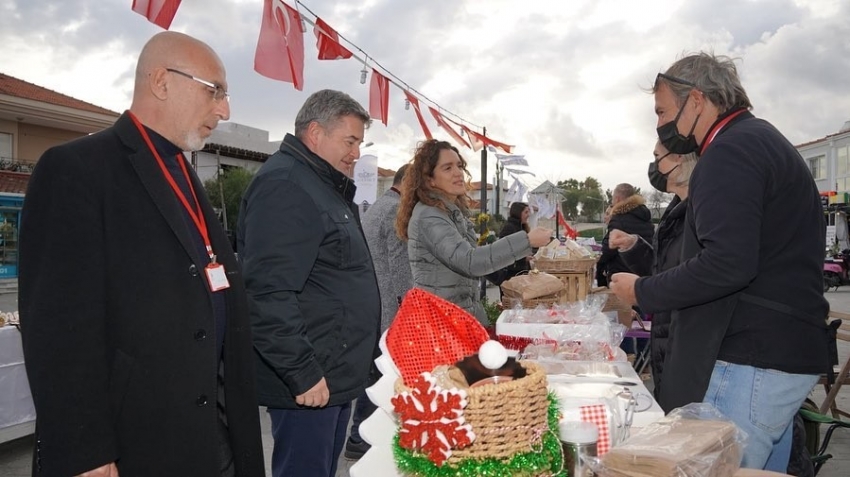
(668, 172)
(750, 285)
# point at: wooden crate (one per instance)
(565, 266)
(576, 285)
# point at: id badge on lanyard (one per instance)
(215, 273)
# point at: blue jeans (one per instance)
(761, 402)
(308, 441)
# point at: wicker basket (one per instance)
(564, 266)
(507, 418)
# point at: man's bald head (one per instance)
(169, 48)
(172, 95)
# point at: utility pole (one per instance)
(499, 169)
(482, 282)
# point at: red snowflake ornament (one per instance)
(432, 419)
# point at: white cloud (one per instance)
(561, 80)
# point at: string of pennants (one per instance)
(280, 55)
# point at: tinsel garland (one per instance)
(547, 461)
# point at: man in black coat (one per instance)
(748, 333)
(315, 305)
(630, 215)
(133, 312)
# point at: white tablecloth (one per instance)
(17, 414)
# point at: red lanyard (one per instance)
(713, 132)
(196, 214)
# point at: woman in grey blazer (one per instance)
(433, 218)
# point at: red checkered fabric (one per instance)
(598, 414)
(429, 331)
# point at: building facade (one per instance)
(828, 159)
(32, 120)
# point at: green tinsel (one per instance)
(548, 459)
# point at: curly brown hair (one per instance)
(414, 188)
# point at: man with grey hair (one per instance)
(315, 306)
(748, 331)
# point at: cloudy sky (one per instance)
(562, 80)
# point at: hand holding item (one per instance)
(619, 240)
(623, 285)
(539, 237)
(108, 470)
(317, 396)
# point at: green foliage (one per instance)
(229, 185)
(595, 233)
(492, 309)
(586, 195)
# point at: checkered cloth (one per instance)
(598, 414)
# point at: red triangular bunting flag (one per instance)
(159, 12)
(476, 143)
(327, 41)
(451, 132)
(474, 136)
(280, 48)
(415, 103)
(379, 97)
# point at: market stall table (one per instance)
(17, 414)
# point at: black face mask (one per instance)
(672, 140)
(656, 177)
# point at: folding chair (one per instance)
(640, 330)
(813, 420)
(842, 373)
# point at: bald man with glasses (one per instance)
(133, 311)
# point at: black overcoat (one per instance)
(118, 325)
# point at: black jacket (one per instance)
(750, 288)
(315, 307)
(117, 319)
(644, 259)
(630, 216)
(512, 226)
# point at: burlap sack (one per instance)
(534, 285)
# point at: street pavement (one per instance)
(16, 456)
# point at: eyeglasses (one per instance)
(674, 80)
(218, 92)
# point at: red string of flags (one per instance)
(280, 56)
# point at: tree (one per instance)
(585, 195)
(656, 201)
(227, 188)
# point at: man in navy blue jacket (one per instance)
(748, 333)
(314, 300)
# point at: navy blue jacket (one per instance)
(313, 296)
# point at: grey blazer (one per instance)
(445, 260)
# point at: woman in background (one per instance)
(432, 217)
(517, 220)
